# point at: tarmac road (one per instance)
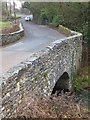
(36, 38)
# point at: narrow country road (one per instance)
(36, 38)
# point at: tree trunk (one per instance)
(10, 9)
(14, 11)
(6, 9)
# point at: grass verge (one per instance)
(4, 24)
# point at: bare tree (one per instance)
(10, 9)
(14, 11)
(6, 8)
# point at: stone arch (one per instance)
(62, 84)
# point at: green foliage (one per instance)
(43, 13)
(79, 83)
(84, 31)
(58, 19)
(71, 15)
(36, 78)
(43, 16)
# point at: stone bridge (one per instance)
(43, 73)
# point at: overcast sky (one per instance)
(17, 2)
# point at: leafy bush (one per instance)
(58, 19)
(79, 83)
(84, 31)
(43, 14)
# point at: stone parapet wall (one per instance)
(40, 72)
(11, 37)
(66, 31)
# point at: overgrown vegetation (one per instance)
(81, 79)
(9, 27)
(63, 106)
(80, 83)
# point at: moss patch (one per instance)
(46, 74)
(65, 30)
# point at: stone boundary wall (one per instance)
(40, 72)
(11, 37)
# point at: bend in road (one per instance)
(36, 38)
